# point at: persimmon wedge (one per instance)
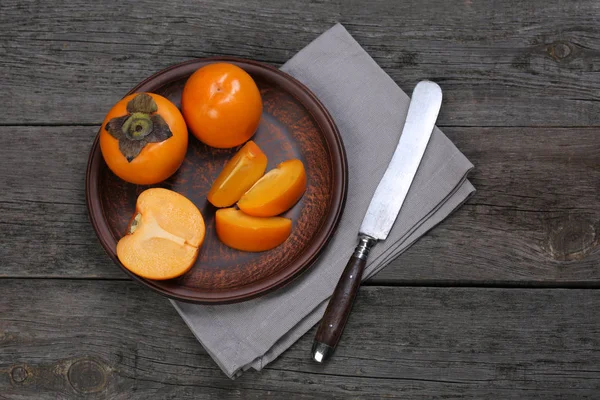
(164, 236)
(277, 191)
(247, 233)
(238, 175)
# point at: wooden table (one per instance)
(500, 301)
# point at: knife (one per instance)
(382, 212)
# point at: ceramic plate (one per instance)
(294, 125)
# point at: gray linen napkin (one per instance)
(369, 109)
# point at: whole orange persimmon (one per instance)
(144, 138)
(221, 105)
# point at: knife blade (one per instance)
(382, 212)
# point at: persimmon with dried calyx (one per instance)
(276, 192)
(144, 138)
(222, 105)
(238, 175)
(247, 233)
(164, 236)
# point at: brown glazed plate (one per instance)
(294, 124)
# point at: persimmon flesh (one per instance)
(238, 175)
(247, 233)
(164, 237)
(277, 191)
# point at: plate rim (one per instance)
(274, 281)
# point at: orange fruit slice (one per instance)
(164, 236)
(275, 192)
(239, 174)
(247, 233)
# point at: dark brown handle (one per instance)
(337, 312)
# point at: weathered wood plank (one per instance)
(64, 338)
(535, 218)
(499, 63)
(43, 215)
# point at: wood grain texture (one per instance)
(499, 63)
(120, 341)
(521, 99)
(535, 218)
(535, 215)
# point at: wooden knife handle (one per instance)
(333, 322)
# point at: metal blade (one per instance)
(393, 187)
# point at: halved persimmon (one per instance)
(247, 233)
(275, 192)
(164, 236)
(239, 174)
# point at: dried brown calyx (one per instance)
(139, 127)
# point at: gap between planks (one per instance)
(402, 284)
